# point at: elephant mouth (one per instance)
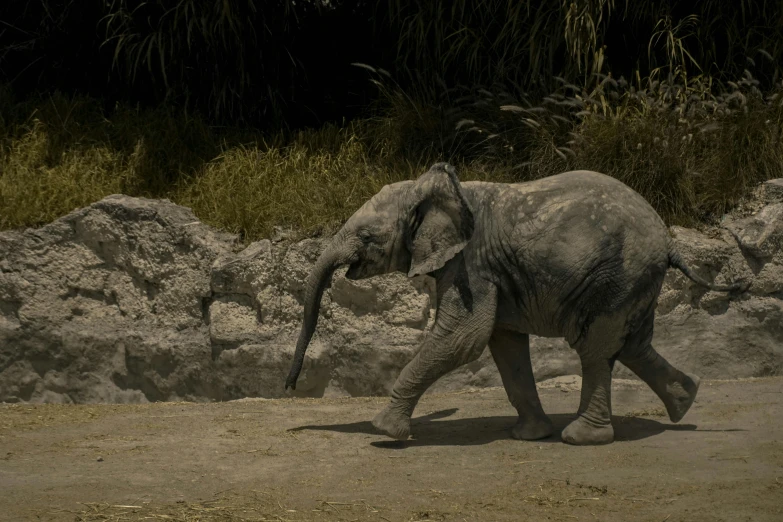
(354, 271)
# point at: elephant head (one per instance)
(411, 226)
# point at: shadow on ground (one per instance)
(435, 429)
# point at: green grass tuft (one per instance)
(35, 187)
(249, 190)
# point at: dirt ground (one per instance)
(319, 460)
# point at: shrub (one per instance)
(691, 153)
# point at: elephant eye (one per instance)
(365, 236)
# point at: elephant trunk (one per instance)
(335, 255)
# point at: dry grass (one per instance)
(58, 154)
(245, 190)
(692, 161)
(15, 418)
(33, 190)
(256, 506)
(218, 510)
(647, 412)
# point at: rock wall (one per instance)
(134, 300)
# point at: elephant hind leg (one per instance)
(676, 389)
(511, 352)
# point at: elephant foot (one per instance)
(393, 423)
(532, 429)
(680, 395)
(581, 432)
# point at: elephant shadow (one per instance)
(435, 429)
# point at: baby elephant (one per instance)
(578, 255)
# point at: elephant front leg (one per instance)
(511, 352)
(433, 360)
(462, 329)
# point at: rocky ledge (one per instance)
(135, 300)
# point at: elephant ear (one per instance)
(441, 222)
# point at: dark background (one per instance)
(276, 64)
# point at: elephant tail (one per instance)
(676, 261)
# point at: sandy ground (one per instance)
(320, 459)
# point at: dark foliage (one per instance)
(280, 63)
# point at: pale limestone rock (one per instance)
(772, 191)
(135, 300)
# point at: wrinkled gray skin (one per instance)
(578, 255)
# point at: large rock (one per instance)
(133, 300)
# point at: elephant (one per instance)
(577, 255)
